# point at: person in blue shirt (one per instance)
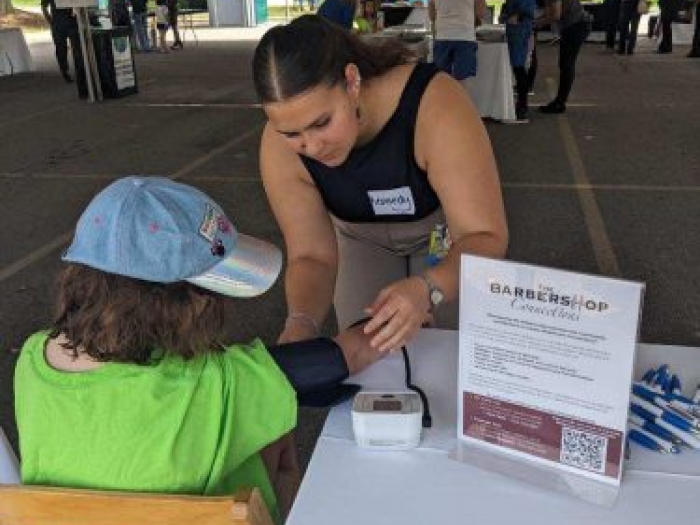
(341, 12)
(518, 16)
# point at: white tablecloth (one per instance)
(347, 485)
(682, 33)
(14, 53)
(492, 91)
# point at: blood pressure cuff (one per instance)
(316, 368)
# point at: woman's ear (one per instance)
(352, 78)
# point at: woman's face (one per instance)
(321, 123)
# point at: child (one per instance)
(131, 389)
(162, 23)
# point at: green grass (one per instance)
(24, 4)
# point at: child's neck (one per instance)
(61, 359)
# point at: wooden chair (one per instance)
(34, 505)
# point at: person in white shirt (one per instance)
(454, 47)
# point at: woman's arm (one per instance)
(312, 255)
(454, 149)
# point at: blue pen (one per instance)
(687, 438)
(646, 442)
(652, 427)
(670, 417)
(666, 402)
(680, 400)
(662, 443)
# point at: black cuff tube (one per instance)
(312, 365)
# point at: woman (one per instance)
(573, 29)
(364, 154)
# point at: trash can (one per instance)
(115, 61)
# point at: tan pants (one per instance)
(373, 255)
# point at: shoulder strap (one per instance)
(420, 77)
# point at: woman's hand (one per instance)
(397, 313)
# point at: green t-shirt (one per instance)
(175, 426)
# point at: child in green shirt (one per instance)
(131, 388)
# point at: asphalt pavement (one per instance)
(612, 187)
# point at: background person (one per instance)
(695, 47)
(173, 15)
(454, 46)
(131, 387)
(162, 17)
(342, 12)
(629, 26)
(518, 16)
(364, 153)
(64, 28)
(668, 15)
(139, 10)
(573, 29)
(611, 11)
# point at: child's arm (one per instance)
(317, 367)
(280, 459)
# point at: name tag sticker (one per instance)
(397, 201)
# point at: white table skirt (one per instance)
(347, 485)
(14, 53)
(682, 33)
(492, 90)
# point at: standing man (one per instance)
(695, 48)
(573, 29)
(139, 10)
(173, 15)
(611, 10)
(454, 23)
(668, 15)
(64, 27)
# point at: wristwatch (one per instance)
(435, 294)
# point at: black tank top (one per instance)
(381, 181)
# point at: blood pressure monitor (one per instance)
(387, 420)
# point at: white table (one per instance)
(346, 485)
(492, 90)
(14, 53)
(682, 33)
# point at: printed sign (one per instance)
(546, 360)
(123, 65)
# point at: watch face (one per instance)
(436, 297)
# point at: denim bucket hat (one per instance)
(154, 229)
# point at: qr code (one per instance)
(583, 449)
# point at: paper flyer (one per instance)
(546, 360)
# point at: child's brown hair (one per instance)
(115, 318)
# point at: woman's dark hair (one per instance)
(115, 318)
(311, 51)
